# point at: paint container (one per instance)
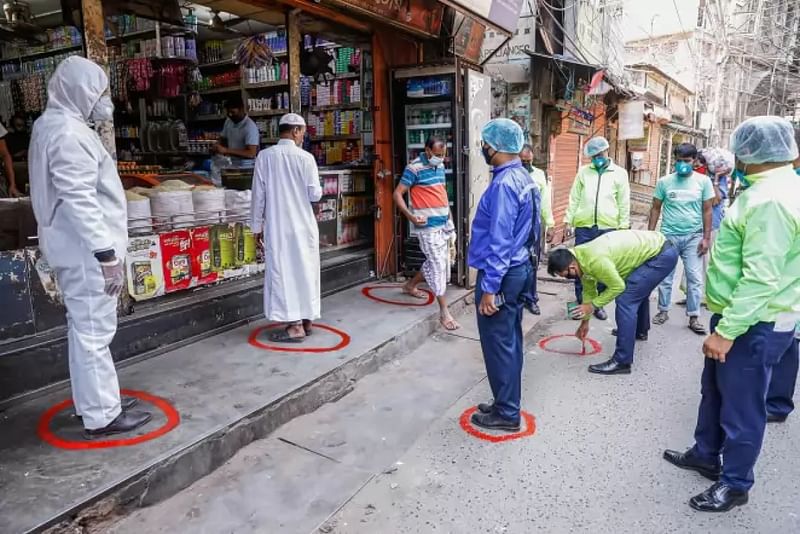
(570, 308)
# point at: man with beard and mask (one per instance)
(285, 183)
(546, 221)
(81, 211)
(684, 201)
(599, 202)
(754, 294)
(630, 264)
(425, 183)
(502, 235)
(239, 138)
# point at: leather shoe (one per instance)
(126, 421)
(533, 308)
(685, 460)
(126, 403)
(600, 314)
(718, 498)
(492, 421)
(610, 367)
(486, 407)
(639, 337)
(775, 418)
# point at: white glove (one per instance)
(114, 275)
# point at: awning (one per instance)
(510, 72)
(501, 15)
(682, 128)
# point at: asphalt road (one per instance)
(391, 457)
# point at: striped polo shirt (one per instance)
(428, 191)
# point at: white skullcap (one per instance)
(292, 119)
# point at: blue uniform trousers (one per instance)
(733, 409)
(501, 341)
(584, 235)
(633, 305)
(782, 383)
(531, 293)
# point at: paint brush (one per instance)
(583, 346)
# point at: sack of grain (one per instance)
(237, 205)
(172, 209)
(209, 204)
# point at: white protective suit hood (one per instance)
(75, 87)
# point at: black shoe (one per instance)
(125, 422)
(685, 460)
(639, 337)
(718, 498)
(600, 314)
(533, 308)
(126, 403)
(610, 367)
(492, 421)
(486, 407)
(696, 326)
(775, 418)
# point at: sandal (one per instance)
(449, 324)
(416, 293)
(697, 327)
(308, 329)
(283, 336)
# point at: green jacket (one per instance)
(607, 206)
(611, 258)
(754, 272)
(544, 192)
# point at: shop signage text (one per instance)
(420, 15)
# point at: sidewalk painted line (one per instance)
(466, 424)
(367, 292)
(289, 347)
(597, 348)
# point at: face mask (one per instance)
(103, 110)
(683, 168)
(435, 161)
(486, 157)
(528, 166)
(739, 175)
(599, 162)
(797, 171)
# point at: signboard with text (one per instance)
(501, 13)
(420, 15)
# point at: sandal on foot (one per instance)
(661, 318)
(697, 327)
(416, 293)
(283, 336)
(449, 324)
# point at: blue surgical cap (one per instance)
(503, 135)
(595, 146)
(765, 139)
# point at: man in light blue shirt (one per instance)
(684, 198)
(500, 250)
(239, 138)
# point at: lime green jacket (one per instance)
(611, 258)
(754, 272)
(544, 192)
(602, 199)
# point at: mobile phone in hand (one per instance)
(499, 300)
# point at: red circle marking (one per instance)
(367, 292)
(345, 340)
(466, 424)
(48, 436)
(596, 347)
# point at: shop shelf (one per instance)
(221, 63)
(201, 118)
(335, 107)
(334, 248)
(267, 112)
(220, 90)
(346, 75)
(355, 194)
(441, 125)
(45, 53)
(335, 137)
(422, 145)
(266, 85)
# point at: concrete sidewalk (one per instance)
(227, 393)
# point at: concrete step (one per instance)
(226, 393)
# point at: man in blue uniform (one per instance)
(500, 251)
(754, 293)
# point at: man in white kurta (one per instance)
(285, 183)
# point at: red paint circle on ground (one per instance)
(291, 347)
(596, 347)
(367, 292)
(47, 435)
(466, 424)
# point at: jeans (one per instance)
(733, 412)
(782, 383)
(584, 235)
(633, 305)
(501, 341)
(693, 268)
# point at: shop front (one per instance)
(193, 266)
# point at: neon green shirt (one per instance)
(544, 192)
(611, 258)
(682, 201)
(603, 199)
(754, 272)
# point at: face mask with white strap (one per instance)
(103, 110)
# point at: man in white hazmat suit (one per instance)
(80, 208)
(285, 183)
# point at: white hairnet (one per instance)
(503, 135)
(595, 145)
(765, 139)
(76, 86)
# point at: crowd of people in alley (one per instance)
(743, 260)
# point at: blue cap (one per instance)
(595, 146)
(765, 139)
(503, 135)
